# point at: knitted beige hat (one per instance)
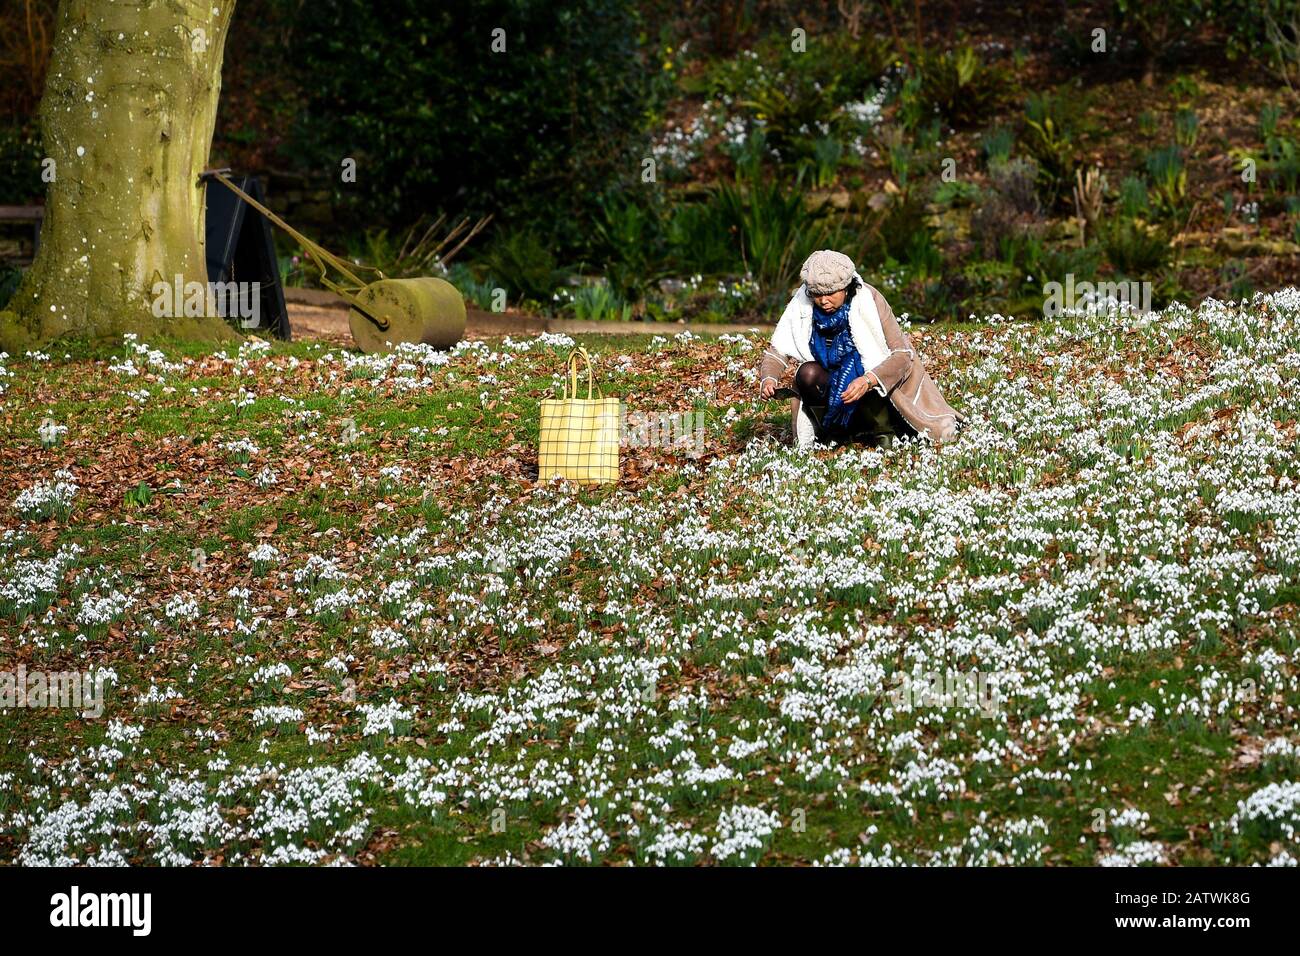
(827, 271)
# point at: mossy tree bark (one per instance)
(127, 117)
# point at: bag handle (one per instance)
(578, 353)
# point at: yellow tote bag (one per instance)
(579, 436)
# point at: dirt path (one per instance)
(320, 316)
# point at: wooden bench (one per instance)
(33, 214)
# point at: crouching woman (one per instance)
(857, 375)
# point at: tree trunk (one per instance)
(127, 117)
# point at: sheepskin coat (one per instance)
(886, 350)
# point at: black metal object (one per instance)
(240, 249)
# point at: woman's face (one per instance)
(830, 301)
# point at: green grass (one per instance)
(570, 597)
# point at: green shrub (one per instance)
(1016, 180)
(1072, 47)
(996, 146)
(827, 152)
(1168, 173)
(629, 240)
(850, 66)
(1065, 108)
(901, 154)
(1008, 207)
(1236, 278)
(926, 137)
(793, 116)
(957, 85)
(1266, 31)
(919, 252)
(752, 226)
(523, 265)
(298, 271)
(1270, 114)
(1186, 127)
(1156, 24)
(1056, 262)
(845, 67)
(959, 192)
(475, 290)
(721, 300)
(909, 155)
(1014, 284)
(595, 302)
(902, 236)
(414, 251)
(1184, 88)
(736, 78)
(1283, 167)
(770, 223)
(773, 230)
(1135, 248)
(1229, 203)
(1053, 151)
(139, 496)
(1049, 138)
(701, 241)
(795, 99)
(1134, 203)
(988, 278)
(435, 121)
(1281, 160)
(993, 221)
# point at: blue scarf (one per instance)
(832, 346)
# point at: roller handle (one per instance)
(318, 253)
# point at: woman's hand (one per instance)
(767, 388)
(859, 387)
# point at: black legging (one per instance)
(873, 414)
(810, 381)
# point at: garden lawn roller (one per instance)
(384, 313)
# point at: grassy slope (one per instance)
(542, 608)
